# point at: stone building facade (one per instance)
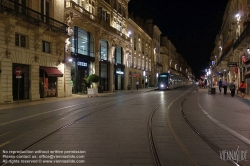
(98, 43)
(31, 47)
(230, 58)
(140, 57)
(49, 47)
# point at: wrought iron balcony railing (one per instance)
(11, 7)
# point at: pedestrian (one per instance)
(200, 83)
(146, 84)
(137, 85)
(225, 84)
(220, 85)
(232, 88)
(243, 87)
(205, 83)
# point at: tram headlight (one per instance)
(162, 85)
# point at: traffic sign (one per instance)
(18, 71)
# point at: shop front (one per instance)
(79, 74)
(119, 77)
(20, 84)
(82, 56)
(48, 81)
(136, 77)
(247, 78)
(145, 79)
(104, 68)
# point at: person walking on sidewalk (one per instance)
(137, 85)
(225, 84)
(243, 87)
(220, 85)
(232, 88)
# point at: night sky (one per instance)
(191, 25)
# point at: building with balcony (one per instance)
(156, 60)
(231, 53)
(173, 62)
(32, 50)
(98, 42)
(139, 59)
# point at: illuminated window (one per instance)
(134, 62)
(142, 64)
(82, 42)
(129, 61)
(104, 50)
(118, 55)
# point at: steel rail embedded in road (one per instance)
(151, 137)
(176, 137)
(66, 126)
(216, 148)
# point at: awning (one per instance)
(52, 71)
(247, 75)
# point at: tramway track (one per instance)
(68, 114)
(43, 113)
(213, 146)
(69, 124)
(151, 139)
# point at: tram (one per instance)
(170, 81)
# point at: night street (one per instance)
(125, 82)
(114, 128)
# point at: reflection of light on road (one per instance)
(162, 96)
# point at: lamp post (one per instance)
(144, 73)
(211, 75)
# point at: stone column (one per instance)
(34, 81)
(60, 82)
(111, 55)
(67, 79)
(6, 80)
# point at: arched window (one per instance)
(82, 42)
(129, 61)
(118, 55)
(104, 49)
(139, 63)
(142, 63)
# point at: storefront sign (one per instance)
(119, 72)
(232, 64)
(136, 75)
(84, 64)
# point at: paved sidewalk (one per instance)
(232, 112)
(23, 103)
(222, 119)
(237, 93)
